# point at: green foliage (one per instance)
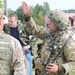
(39, 12)
(10, 11)
(72, 73)
(46, 8)
(36, 10)
(20, 14)
(1, 4)
(40, 18)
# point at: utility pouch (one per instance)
(45, 56)
(38, 64)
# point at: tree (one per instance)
(38, 13)
(46, 8)
(10, 11)
(1, 3)
(36, 10)
(20, 14)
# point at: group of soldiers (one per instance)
(56, 55)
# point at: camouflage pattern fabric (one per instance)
(11, 56)
(24, 34)
(52, 45)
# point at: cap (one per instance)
(1, 12)
(58, 17)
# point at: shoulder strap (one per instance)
(71, 34)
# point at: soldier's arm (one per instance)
(19, 63)
(36, 30)
(69, 52)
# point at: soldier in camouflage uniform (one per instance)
(54, 39)
(12, 59)
(20, 32)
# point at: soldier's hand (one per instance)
(25, 48)
(52, 68)
(26, 9)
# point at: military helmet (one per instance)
(58, 17)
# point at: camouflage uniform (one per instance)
(53, 44)
(25, 38)
(23, 33)
(12, 59)
(11, 56)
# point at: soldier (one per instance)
(16, 29)
(12, 59)
(57, 42)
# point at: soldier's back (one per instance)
(5, 54)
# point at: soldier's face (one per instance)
(12, 22)
(52, 26)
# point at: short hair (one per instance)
(13, 15)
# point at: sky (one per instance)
(54, 4)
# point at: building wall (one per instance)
(71, 15)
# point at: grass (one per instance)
(72, 73)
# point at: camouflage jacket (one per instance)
(53, 44)
(11, 56)
(24, 34)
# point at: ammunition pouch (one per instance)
(38, 64)
(45, 56)
(41, 62)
